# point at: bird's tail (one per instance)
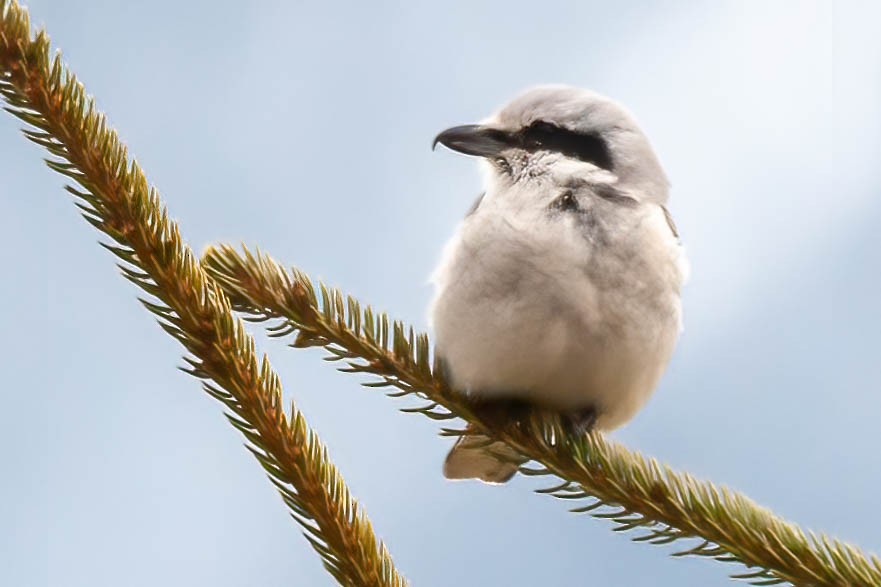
(475, 456)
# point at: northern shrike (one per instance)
(560, 288)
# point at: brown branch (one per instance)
(116, 198)
(641, 492)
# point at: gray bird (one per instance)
(561, 287)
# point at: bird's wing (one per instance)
(669, 218)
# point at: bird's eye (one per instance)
(588, 147)
(565, 202)
(541, 132)
(502, 164)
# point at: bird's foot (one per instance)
(580, 422)
(498, 413)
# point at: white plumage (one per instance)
(562, 286)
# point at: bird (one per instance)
(560, 288)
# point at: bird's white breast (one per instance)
(525, 308)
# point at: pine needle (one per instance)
(634, 492)
(115, 197)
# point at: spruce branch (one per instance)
(115, 197)
(632, 491)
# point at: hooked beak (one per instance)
(474, 139)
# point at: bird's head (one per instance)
(564, 135)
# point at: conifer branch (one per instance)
(616, 484)
(115, 197)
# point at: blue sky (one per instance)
(305, 128)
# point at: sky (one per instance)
(305, 128)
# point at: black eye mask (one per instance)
(544, 136)
(489, 142)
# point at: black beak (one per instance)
(474, 139)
